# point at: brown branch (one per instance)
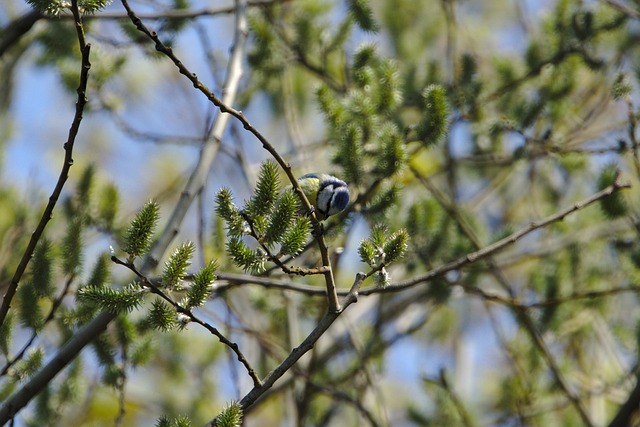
(306, 345)
(64, 172)
(12, 33)
(193, 318)
(629, 408)
(627, 10)
(54, 307)
(334, 304)
(183, 13)
(502, 243)
(40, 380)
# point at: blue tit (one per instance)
(326, 193)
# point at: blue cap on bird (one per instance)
(328, 194)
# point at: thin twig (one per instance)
(193, 318)
(64, 172)
(54, 307)
(210, 148)
(223, 106)
(502, 243)
(443, 383)
(627, 10)
(306, 345)
(17, 401)
(88, 332)
(183, 13)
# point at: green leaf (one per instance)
(282, 217)
(621, 87)
(72, 247)
(166, 421)
(108, 206)
(175, 268)
(363, 15)
(139, 234)
(295, 238)
(365, 55)
(393, 153)
(41, 267)
(267, 190)
(367, 252)
(6, 328)
(202, 286)
(92, 6)
(230, 213)
(100, 274)
(231, 416)
(104, 349)
(435, 121)
(350, 153)
(379, 234)
(396, 246)
(29, 311)
(84, 186)
(389, 92)
(244, 257)
(113, 300)
(614, 205)
(31, 363)
(161, 316)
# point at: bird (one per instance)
(327, 194)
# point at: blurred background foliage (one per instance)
(459, 120)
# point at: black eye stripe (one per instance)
(334, 184)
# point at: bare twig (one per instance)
(306, 345)
(210, 149)
(64, 172)
(443, 383)
(89, 331)
(627, 10)
(54, 307)
(184, 13)
(193, 318)
(502, 243)
(224, 107)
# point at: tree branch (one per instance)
(628, 409)
(502, 243)
(193, 318)
(64, 172)
(12, 33)
(94, 328)
(306, 345)
(224, 107)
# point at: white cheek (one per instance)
(324, 198)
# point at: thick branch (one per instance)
(12, 33)
(306, 345)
